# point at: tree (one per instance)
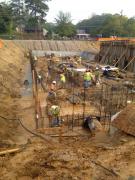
(108, 25)
(5, 18)
(94, 24)
(130, 27)
(18, 12)
(64, 26)
(114, 25)
(37, 8)
(51, 28)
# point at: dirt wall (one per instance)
(12, 63)
(52, 45)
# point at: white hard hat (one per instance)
(35, 58)
(54, 82)
(97, 68)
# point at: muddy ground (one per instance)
(102, 157)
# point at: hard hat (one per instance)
(54, 82)
(35, 58)
(97, 68)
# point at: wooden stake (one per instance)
(103, 58)
(129, 63)
(9, 151)
(121, 56)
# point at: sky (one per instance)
(83, 9)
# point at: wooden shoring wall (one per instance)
(118, 53)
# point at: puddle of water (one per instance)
(27, 91)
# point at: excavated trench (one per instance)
(100, 157)
(41, 56)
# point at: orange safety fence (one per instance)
(116, 39)
(1, 44)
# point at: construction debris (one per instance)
(10, 151)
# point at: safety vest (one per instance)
(62, 78)
(97, 73)
(55, 110)
(87, 76)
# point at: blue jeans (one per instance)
(55, 121)
(87, 84)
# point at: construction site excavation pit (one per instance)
(74, 106)
(99, 102)
(39, 147)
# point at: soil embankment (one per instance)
(46, 45)
(12, 63)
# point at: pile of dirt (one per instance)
(125, 120)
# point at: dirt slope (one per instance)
(126, 120)
(12, 62)
(52, 45)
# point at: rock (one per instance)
(124, 140)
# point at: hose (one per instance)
(28, 130)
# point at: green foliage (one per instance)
(130, 27)
(114, 25)
(37, 8)
(108, 25)
(29, 13)
(64, 26)
(5, 18)
(51, 28)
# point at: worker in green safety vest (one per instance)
(97, 76)
(62, 80)
(55, 111)
(87, 79)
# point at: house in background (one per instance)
(82, 35)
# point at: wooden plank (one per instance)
(129, 62)
(103, 58)
(9, 151)
(121, 56)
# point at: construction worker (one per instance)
(92, 124)
(35, 60)
(52, 93)
(62, 80)
(87, 78)
(106, 72)
(26, 83)
(97, 76)
(53, 86)
(79, 60)
(40, 78)
(54, 112)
